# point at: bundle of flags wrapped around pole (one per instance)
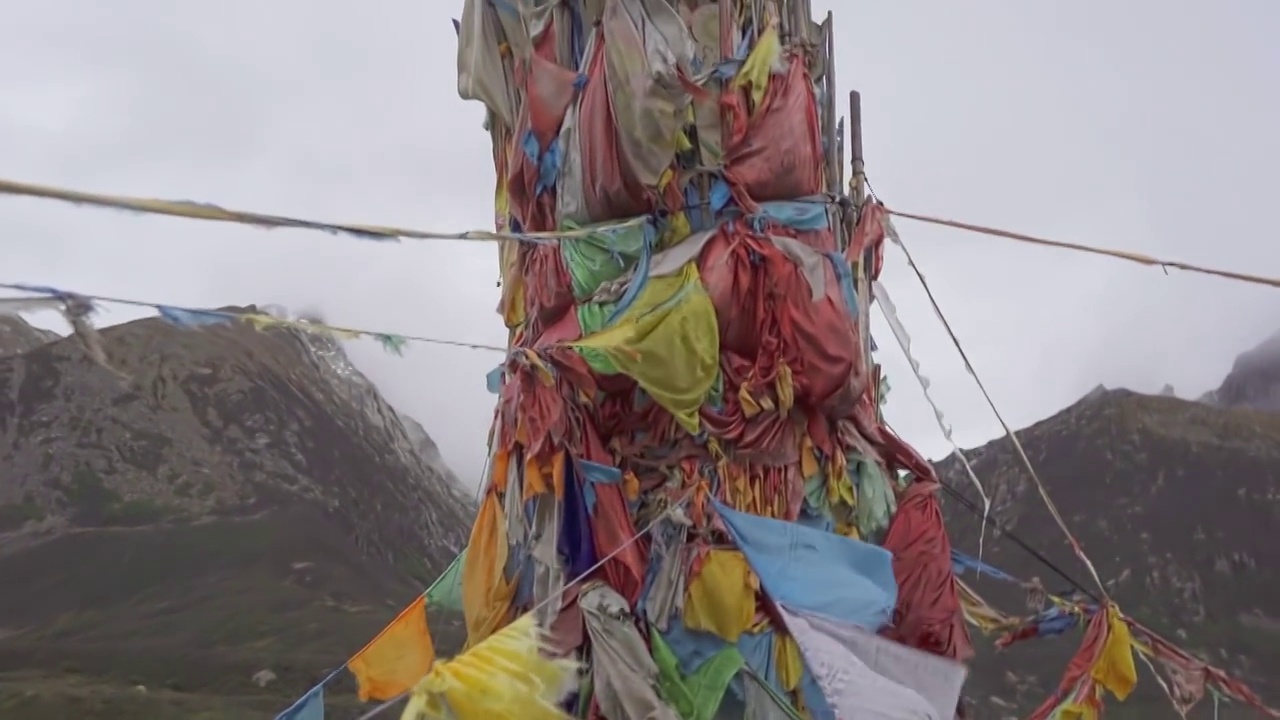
(692, 503)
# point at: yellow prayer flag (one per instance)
(786, 657)
(755, 70)
(507, 676)
(721, 598)
(1115, 669)
(668, 341)
(1077, 711)
(397, 658)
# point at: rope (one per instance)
(994, 524)
(214, 213)
(892, 234)
(262, 318)
(1108, 252)
(386, 233)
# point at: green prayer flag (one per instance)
(446, 591)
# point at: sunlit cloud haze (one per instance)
(1143, 125)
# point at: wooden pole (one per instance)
(835, 156)
(857, 191)
(857, 184)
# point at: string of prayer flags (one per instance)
(1105, 660)
(394, 661)
(76, 307)
(193, 210)
(401, 655)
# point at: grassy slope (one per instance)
(190, 613)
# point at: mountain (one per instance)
(1254, 380)
(18, 336)
(221, 502)
(1175, 502)
(364, 394)
(216, 503)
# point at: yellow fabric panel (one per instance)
(486, 592)
(668, 341)
(1076, 711)
(759, 64)
(750, 406)
(748, 490)
(508, 676)
(784, 386)
(1115, 669)
(677, 231)
(400, 656)
(511, 303)
(541, 476)
(808, 458)
(721, 598)
(786, 658)
(840, 489)
(501, 199)
(500, 469)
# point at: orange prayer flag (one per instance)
(486, 592)
(397, 658)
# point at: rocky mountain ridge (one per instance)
(1176, 502)
(18, 336)
(365, 394)
(218, 390)
(220, 502)
(1254, 380)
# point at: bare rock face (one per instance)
(1254, 381)
(18, 336)
(363, 393)
(217, 421)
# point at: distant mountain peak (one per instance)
(18, 336)
(1095, 393)
(1254, 380)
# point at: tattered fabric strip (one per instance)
(890, 312)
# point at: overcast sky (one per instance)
(1145, 125)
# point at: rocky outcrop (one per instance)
(18, 336)
(1254, 380)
